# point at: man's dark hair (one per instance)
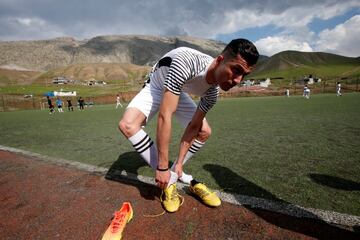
(244, 47)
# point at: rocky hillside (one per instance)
(293, 64)
(292, 59)
(44, 55)
(108, 72)
(9, 76)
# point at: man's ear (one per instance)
(219, 59)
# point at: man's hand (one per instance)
(178, 169)
(162, 178)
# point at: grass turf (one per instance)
(295, 150)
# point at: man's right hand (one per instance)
(162, 178)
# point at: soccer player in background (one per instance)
(70, 106)
(59, 104)
(51, 106)
(118, 103)
(338, 89)
(306, 93)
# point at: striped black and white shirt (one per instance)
(183, 70)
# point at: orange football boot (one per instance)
(118, 223)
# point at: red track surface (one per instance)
(40, 200)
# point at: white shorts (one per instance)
(148, 101)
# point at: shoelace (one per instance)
(117, 221)
(172, 196)
(202, 192)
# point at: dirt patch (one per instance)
(40, 200)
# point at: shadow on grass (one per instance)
(313, 226)
(335, 182)
(131, 162)
(233, 183)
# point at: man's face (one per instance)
(231, 71)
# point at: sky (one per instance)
(274, 26)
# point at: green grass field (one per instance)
(295, 150)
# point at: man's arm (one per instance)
(190, 133)
(163, 134)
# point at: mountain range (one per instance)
(294, 64)
(44, 55)
(119, 57)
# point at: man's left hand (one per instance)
(178, 169)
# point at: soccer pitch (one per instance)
(295, 150)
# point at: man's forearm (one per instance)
(163, 132)
(184, 148)
(163, 135)
(190, 133)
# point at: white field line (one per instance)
(237, 199)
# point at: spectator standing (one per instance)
(81, 103)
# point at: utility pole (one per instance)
(33, 101)
(3, 103)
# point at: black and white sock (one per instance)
(146, 147)
(187, 178)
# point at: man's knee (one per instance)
(131, 122)
(128, 128)
(204, 134)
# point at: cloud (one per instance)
(34, 28)
(29, 21)
(201, 18)
(270, 45)
(39, 19)
(281, 13)
(294, 19)
(343, 39)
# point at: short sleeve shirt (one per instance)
(184, 70)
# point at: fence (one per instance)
(19, 102)
(329, 86)
(325, 86)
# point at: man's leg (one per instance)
(184, 113)
(140, 110)
(207, 196)
(198, 143)
(131, 126)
